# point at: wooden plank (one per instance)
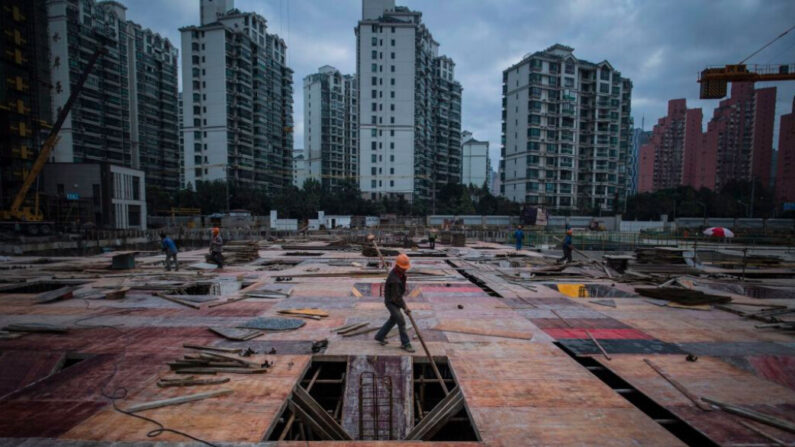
(308, 403)
(211, 348)
(597, 344)
(360, 332)
(178, 301)
(762, 433)
(190, 382)
(437, 417)
(352, 328)
(755, 415)
(177, 400)
(678, 386)
(57, 294)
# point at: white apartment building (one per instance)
(566, 132)
(237, 100)
(475, 163)
(126, 113)
(409, 106)
(331, 126)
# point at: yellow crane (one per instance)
(30, 216)
(714, 80)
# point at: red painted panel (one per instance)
(779, 369)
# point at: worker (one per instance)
(394, 289)
(216, 247)
(567, 247)
(519, 235)
(170, 249)
(432, 238)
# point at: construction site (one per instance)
(653, 346)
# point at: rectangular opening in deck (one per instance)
(374, 398)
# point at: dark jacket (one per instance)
(395, 288)
(567, 241)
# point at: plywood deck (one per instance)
(520, 387)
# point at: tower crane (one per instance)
(714, 80)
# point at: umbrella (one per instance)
(719, 232)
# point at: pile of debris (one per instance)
(236, 252)
(212, 360)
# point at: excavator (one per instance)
(30, 219)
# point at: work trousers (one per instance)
(395, 317)
(566, 254)
(217, 258)
(432, 242)
(171, 259)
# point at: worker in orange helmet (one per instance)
(216, 248)
(394, 289)
(567, 247)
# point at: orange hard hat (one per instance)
(403, 261)
(569, 231)
(216, 230)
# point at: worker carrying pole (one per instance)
(394, 289)
(216, 248)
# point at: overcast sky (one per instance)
(660, 45)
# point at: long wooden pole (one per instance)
(428, 354)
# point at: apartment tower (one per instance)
(127, 111)
(331, 145)
(675, 140)
(237, 95)
(566, 132)
(409, 106)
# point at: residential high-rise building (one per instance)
(739, 137)
(475, 163)
(566, 131)
(24, 97)
(127, 111)
(785, 165)
(181, 143)
(330, 126)
(237, 100)
(675, 140)
(409, 105)
(300, 168)
(639, 138)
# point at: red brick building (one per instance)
(740, 134)
(666, 161)
(737, 145)
(785, 169)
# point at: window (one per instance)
(392, 94)
(535, 119)
(375, 54)
(533, 145)
(568, 82)
(392, 107)
(533, 132)
(393, 42)
(391, 183)
(392, 146)
(604, 87)
(392, 68)
(374, 94)
(604, 74)
(373, 133)
(392, 56)
(392, 81)
(372, 183)
(374, 68)
(375, 80)
(532, 186)
(532, 173)
(373, 158)
(373, 170)
(375, 41)
(391, 158)
(392, 133)
(373, 146)
(549, 188)
(136, 188)
(375, 107)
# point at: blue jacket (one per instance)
(567, 241)
(519, 235)
(169, 245)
